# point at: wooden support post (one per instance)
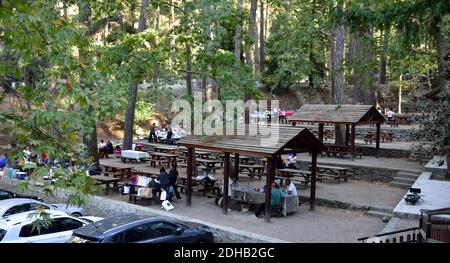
(269, 178)
(226, 175)
(236, 166)
(352, 140)
(347, 134)
(312, 197)
(378, 138)
(321, 132)
(189, 176)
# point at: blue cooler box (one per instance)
(21, 175)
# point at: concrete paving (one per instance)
(435, 195)
(322, 225)
(358, 192)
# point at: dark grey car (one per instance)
(133, 228)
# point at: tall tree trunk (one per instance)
(369, 94)
(237, 36)
(89, 139)
(129, 113)
(338, 76)
(254, 34)
(156, 67)
(6, 83)
(400, 94)
(355, 51)
(132, 16)
(441, 43)
(171, 43)
(188, 76)
(65, 9)
(382, 72)
(248, 49)
(262, 51)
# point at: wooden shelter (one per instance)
(289, 140)
(348, 115)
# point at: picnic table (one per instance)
(294, 175)
(166, 149)
(208, 186)
(288, 204)
(369, 137)
(160, 157)
(107, 180)
(335, 172)
(387, 136)
(252, 169)
(117, 169)
(341, 151)
(145, 172)
(133, 196)
(402, 119)
(133, 155)
(242, 159)
(209, 163)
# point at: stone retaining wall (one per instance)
(385, 153)
(363, 173)
(105, 207)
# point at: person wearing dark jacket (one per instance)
(110, 147)
(163, 178)
(173, 176)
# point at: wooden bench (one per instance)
(107, 180)
(341, 151)
(333, 172)
(125, 159)
(153, 162)
(387, 136)
(303, 183)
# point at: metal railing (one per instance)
(408, 235)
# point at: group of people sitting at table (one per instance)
(165, 133)
(275, 197)
(107, 148)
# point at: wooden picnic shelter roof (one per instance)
(337, 114)
(290, 139)
(280, 140)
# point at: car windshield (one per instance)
(2, 233)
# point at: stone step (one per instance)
(401, 185)
(384, 215)
(410, 172)
(403, 180)
(407, 176)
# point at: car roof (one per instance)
(17, 201)
(114, 224)
(23, 217)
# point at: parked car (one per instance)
(18, 228)
(6, 194)
(133, 228)
(14, 206)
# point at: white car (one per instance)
(14, 206)
(18, 228)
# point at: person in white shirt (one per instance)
(163, 194)
(292, 160)
(102, 144)
(291, 190)
(390, 116)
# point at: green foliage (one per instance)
(295, 46)
(433, 137)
